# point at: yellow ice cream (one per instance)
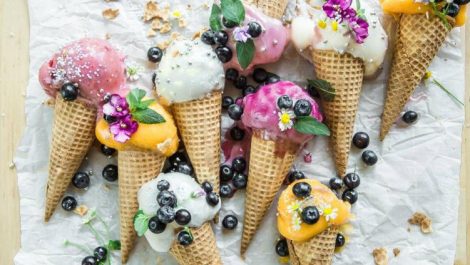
(414, 7)
(333, 211)
(158, 137)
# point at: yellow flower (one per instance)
(334, 25)
(427, 75)
(176, 14)
(322, 24)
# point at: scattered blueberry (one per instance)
(352, 180)
(302, 107)
(249, 90)
(166, 214)
(109, 118)
(254, 29)
(185, 168)
(90, 260)
(227, 101)
(69, 203)
(241, 82)
(107, 151)
(452, 9)
(310, 215)
(239, 164)
(235, 112)
(410, 117)
(224, 53)
(231, 74)
(369, 157)
(260, 75)
(230, 222)
(284, 102)
(166, 198)
(340, 240)
(163, 185)
(228, 23)
(81, 180)
(295, 175)
(221, 37)
(350, 196)
(154, 54)
(182, 217)
(184, 238)
(100, 253)
(212, 198)
(361, 140)
(336, 183)
(155, 226)
(272, 78)
(225, 190)
(69, 91)
(110, 172)
(208, 37)
(207, 187)
(281, 248)
(226, 173)
(239, 180)
(302, 189)
(237, 134)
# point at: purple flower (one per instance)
(123, 128)
(241, 34)
(339, 9)
(360, 27)
(116, 106)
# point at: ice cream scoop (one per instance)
(93, 64)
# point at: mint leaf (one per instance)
(214, 19)
(147, 116)
(141, 223)
(309, 125)
(233, 10)
(145, 104)
(245, 52)
(323, 87)
(114, 245)
(134, 97)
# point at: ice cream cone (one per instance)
(72, 136)
(345, 73)
(270, 161)
(418, 40)
(202, 251)
(135, 169)
(319, 250)
(198, 122)
(272, 8)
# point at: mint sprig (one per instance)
(233, 10)
(141, 223)
(441, 15)
(139, 107)
(214, 19)
(245, 52)
(324, 88)
(309, 125)
(114, 245)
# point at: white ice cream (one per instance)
(307, 34)
(189, 70)
(184, 187)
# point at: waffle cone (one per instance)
(198, 122)
(345, 73)
(203, 250)
(72, 137)
(135, 169)
(418, 40)
(270, 162)
(319, 250)
(272, 8)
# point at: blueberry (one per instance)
(340, 240)
(272, 78)
(90, 260)
(295, 175)
(185, 168)
(241, 82)
(312, 91)
(361, 140)
(221, 37)
(212, 198)
(155, 226)
(350, 196)
(166, 198)
(226, 173)
(239, 164)
(224, 53)
(225, 190)
(302, 189)
(410, 117)
(100, 253)
(237, 134)
(239, 180)
(208, 37)
(302, 107)
(69, 91)
(227, 101)
(249, 90)
(69, 203)
(281, 248)
(310, 215)
(461, 2)
(352, 180)
(284, 102)
(452, 9)
(166, 214)
(254, 29)
(184, 238)
(228, 23)
(207, 187)
(81, 180)
(110, 172)
(163, 185)
(154, 54)
(182, 217)
(369, 157)
(107, 151)
(336, 183)
(177, 158)
(235, 112)
(260, 75)
(231, 74)
(109, 118)
(230, 222)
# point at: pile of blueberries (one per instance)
(361, 140)
(100, 255)
(179, 162)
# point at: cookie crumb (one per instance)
(396, 252)
(110, 13)
(163, 45)
(150, 10)
(156, 24)
(423, 221)
(165, 28)
(380, 256)
(198, 34)
(107, 36)
(81, 210)
(151, 33)
(182, 23)
(175, 35)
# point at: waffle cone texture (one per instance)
(345, 73)
(272, 8)
(135, 168)
(270, 162)
(72, 137)
(198, 122)
(203, 250)
(319, 250)
(418, 40)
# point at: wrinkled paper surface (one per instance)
(418, 168)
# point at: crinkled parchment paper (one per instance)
(418, 169)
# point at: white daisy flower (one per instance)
(329, 212)
(294, 207)
(286, 119)
(133, 72)
(296, 222)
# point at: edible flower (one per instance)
(241, 34)
(123, 128)
(328, 212)
(116, 106)
(294, 207)
(339, 10)
(286, 119)
(133, 72)
(360, 27)
(296, 222)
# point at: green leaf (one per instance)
(245, 52)
(309, 125)
(141, 223)
(114, 245)
(147, 116)
(145, 104)
(233, 10)
(134, 97)
(214, 19)
(323, 87)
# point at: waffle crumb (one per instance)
(423, 221)
(156, 24)
(198, 33)
(81, 210)
(150, 10)
(107, 36)
(151, 33)
(182, 23)
(166, 27)
(380, 256)
(163, 45)
(110, 13)
(396, 252)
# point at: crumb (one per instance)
(11, 165)
(175, 35)
(151, 33)
(110, 13)
(165, 28)
(107, 36)
(380, 256)
(423, 221)
(182, 23)
(408, 229)
(189, 7)
(81, 210)
(156, 24)
(205, 6)
(175, 53)
(198, 34)
(150, 11)
(163, 45)
(396, 252)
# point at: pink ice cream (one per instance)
(262, 113)
(269, 45)
(93, 64)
